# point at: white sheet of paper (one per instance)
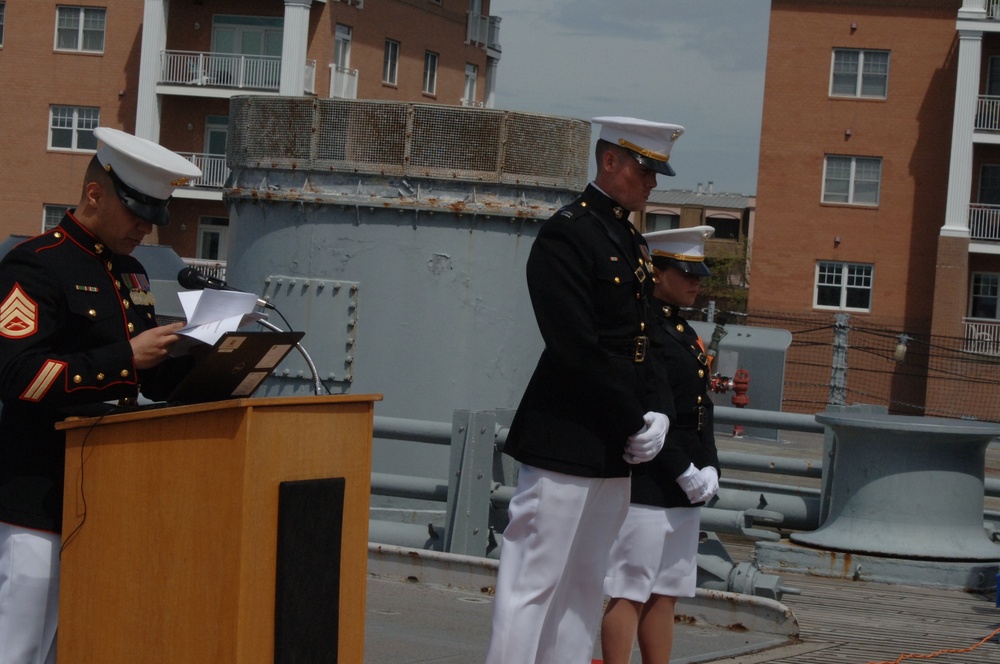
(212, 313)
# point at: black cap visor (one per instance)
(147, 208)
(661, 167)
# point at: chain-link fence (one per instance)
(842, 359)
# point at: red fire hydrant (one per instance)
(739, 384)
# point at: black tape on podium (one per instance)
(307, 597)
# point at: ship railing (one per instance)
(473, 495)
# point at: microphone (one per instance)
(191, 279)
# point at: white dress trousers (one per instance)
(29, 595)
(550, 594)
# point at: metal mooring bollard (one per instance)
(907, 486)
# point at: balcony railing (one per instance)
(982, 336)
(208, 267)
(213, 169)
(343, 82)
(228, 70)
(988, 113)
(984, 221)
(484, 31)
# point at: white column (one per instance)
(956, 219)
(154, 41)
(489, 95)
(294, 43)
(972, 9)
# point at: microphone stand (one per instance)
(317, 383)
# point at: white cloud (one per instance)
(699, 63)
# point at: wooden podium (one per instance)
(232, 532)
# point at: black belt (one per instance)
(633, 349)
(694, 419)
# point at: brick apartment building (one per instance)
(166, 70)
(731, 215)
(879, 179)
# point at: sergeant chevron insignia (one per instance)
(18, 315)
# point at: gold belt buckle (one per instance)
(640, 348)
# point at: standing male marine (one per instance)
(591, 408)
(77, 329)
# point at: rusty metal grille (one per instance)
(273, 135)
(417, 140)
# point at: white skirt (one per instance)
(656, 553)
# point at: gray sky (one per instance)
(696, 63)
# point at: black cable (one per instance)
(83, 496)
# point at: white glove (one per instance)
(648, 441)
(694, 484)
(711, 477)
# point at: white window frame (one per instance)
(858, 176)
(989, 184)
(82, 120)
(993, 293)
(247, 35)
(52, 214)
(342, 46)
(217, 227)
(869, 66)
(471, 76)
(216, 126)
(850, 277)
(76, 22)
(431, 60)
(390, 62)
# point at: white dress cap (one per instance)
(145, 166)
(651, 141)
(684, 248)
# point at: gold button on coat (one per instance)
(77, 379)
(125, 375)
(100, 376)
(92, 312)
